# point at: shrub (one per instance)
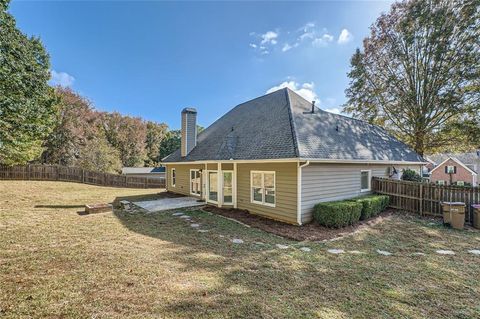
(372, 205)
(337, 214)
(411, 175)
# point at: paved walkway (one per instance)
(168, 203)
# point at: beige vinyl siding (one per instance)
(182, 184)
(285, 188)
(329, 182)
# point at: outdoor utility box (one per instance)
(476, 216)
(454, 214)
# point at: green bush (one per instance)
(337, 214)
(372, 205)
(411, 175)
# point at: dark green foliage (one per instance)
(170, 143)
(411, 175)
(372, 205)
(27, 102)
(337, 214)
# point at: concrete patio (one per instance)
(169, 203)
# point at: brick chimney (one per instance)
(189, 130)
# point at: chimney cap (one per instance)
(189, 110)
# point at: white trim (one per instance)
(299, 191)
(263, 188)
(296, 159)
(369, 171)
(234, 185)
(456, 161)
(173, 178)
(190, 181)
(219, 185)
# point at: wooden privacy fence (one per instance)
(76, 174)
(426, 199)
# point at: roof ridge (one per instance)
(293, 127)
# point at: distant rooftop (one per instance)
(142, 170)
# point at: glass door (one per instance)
(195, 182)
(228, 187)
(213, 186)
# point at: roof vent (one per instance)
(313, 107)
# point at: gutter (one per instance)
(299, 191)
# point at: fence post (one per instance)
(421, 199)
(83, 175)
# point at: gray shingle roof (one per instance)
(142, 170)
(280, 125)
(469, 159)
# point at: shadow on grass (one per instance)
(264, 282)
(58, 206)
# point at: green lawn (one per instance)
(55, 263)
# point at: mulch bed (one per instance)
(308, 232)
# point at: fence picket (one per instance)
(76, 174)
(425, 199)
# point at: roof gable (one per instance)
(456, 160)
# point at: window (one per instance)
(263, 188)
(195, 184)
(450, 169)
(460, 183)
(213, 186)
(365, 179)
(440, 182)
(173, 177)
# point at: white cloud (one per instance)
(253, 45)
(305, 90)
(286, 47)
(345, 37)
(269, 37)
(335, 110)
(61, 78)
(323, 41)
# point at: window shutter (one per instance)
(446, 169)
(454, 170)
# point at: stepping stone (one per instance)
(185, 216)
(203, 231)
(418, 254)
(384, 252)
(280, 246)
(474, 251)
(259, 243)
(445, 252)
(177, 214)
(356, 252)
(306, 249)
(195, 225)
(237, 241)
(335, 251)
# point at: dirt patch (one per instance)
(308, 232)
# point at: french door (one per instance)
(220, 188)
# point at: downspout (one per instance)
(299, 191)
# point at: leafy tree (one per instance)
(76, 123)
(418, 74)
(411, 175)
(98, 155)
(171, 143)
(155, 134)
(128, 135)
(27, 103)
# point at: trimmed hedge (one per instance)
(372, 205)
(337, 214)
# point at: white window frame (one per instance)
(263, 188)
(450, 171)
(223, 187)
(173, 177)
(441, 182)
(369, 171)
(200, 183)
(462, 183)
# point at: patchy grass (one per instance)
(55, 263)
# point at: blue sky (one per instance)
(151, 59)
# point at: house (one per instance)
(455, 169)
(151, 172)
(278, 155)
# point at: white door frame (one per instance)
(207, 183)
(219, 201)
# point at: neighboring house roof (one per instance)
(280, 125)
(456, 160)
(142, 170)
(469, 159)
